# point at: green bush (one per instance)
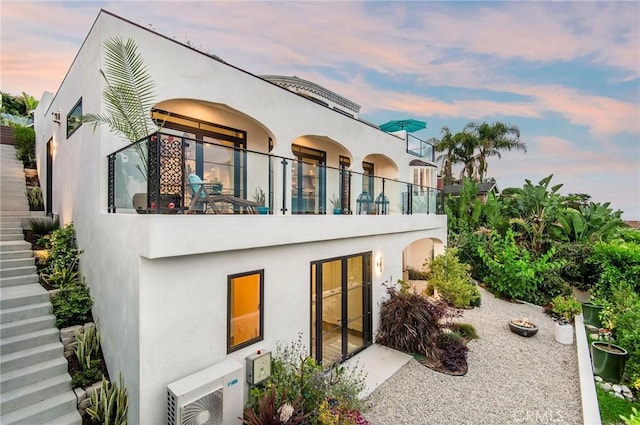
(565, 307)
(514, 272)
(63, 251)
(88, 346)
(43, 225)
(578, 271)
(465, 331)
(60, 278)
(617, 262)
(87, 375)
(26, 145)
(415, 274)
(468, 244)
(452, 279)
(71, 305)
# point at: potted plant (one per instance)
(337, 205)
(591, 311)
(564, 308)
(216, 184)
(608, 360)
(259, 198)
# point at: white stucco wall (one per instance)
(159, 282)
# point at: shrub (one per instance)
(34, 196)
(110, 405)
(43, 225)
(87, 375)
(452, 279)
(465, 331)
(415, 274)
(88, 346)
(296, 374)
(617, 262)
(565, 307)
(63, 251)
(468, 244)
(454, 351)
(71, 305)
(410, 322)
(25, 138)
(578, 270)
(60, 278)
(514, 273)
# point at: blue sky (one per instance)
(566, 73)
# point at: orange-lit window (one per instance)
(245, 297)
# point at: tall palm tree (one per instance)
(447, 146)
(491, 139)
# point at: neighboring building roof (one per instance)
(315, 92)
(420, 163)
(483, 188)
(633, 224)
(16, 119)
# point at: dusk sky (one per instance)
(566, 73)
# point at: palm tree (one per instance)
(128, 94)
(447, 145)
(491, 139)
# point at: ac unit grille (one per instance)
(171, 408)
(204, 411)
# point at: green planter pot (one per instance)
(591, 313)
(263, 210)
(608, 360)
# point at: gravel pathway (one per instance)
(511, 379)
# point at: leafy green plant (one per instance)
(34, 196)
(88, 345)
(335, 202)
(25, 138)
(294, 373)
(258, 196)
(616, 262)
(71, 305)
(565, 307)
(63, 251)
(87, 375)
(452, 279)
(61, 277)
(513, 271)
(632, 419)
(415, 274)
(110, 405)
(404, 286)
(611, 407)
(465, 331)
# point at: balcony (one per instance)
(420, 148)
(152, 176)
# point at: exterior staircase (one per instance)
(34, 383)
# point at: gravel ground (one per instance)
(511, 379)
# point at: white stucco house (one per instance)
(187, 279)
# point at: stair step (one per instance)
(47, 411)
(18, 271)
(6, 282)
(28, 375)
(25, 312)
(16, 296)
(14, 255)
(26, 326)
(14, 246)
(30, 356)
(30, 340)
(14, 230)
(17, 263)
(22, 213)
(34, 393)
(12, 237)
(72, 418)
(10, 222)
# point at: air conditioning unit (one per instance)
(213, 396)
(56, 117)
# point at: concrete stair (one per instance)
(34, 383)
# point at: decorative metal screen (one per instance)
(166, 161)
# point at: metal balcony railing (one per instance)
(152, 176)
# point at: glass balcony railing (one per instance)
(168, 174)
(420, 148)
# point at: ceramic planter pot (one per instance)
(263, 210)
(608, 360)
(522, 328)
(337, 211)
(563, 333)
(591, 313)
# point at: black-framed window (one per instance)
(74, 118)
(245, 314)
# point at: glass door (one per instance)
(308, 181)
(340, 307)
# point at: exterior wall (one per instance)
(183, 304)
(159, 282)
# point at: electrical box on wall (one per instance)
(258, 367)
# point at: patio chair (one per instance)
(199, 198)
(139, 201)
